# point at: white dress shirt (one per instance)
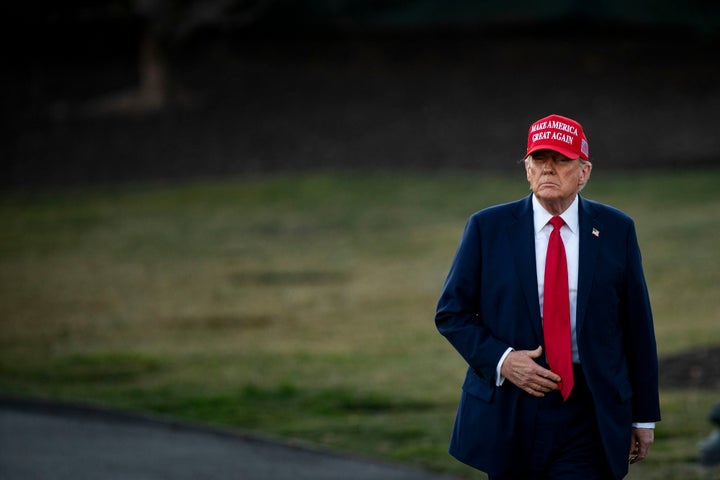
(571, 240)
(542, 229)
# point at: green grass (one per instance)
(302, 306)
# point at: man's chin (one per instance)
(547, 193)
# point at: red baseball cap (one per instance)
(560, 134)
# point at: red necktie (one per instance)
(556, 310)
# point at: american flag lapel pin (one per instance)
(596, 232)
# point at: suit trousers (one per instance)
(565, 441)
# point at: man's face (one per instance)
(554, 177)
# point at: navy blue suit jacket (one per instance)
(490, 302)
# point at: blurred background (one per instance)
(118, 90)
(241, 212)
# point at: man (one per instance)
(546, 301)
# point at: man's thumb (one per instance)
(535, 353)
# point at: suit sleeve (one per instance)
(457, 317)
(640, 338)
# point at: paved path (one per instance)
(50, 441)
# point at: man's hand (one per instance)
(640, 442)
(521, 369)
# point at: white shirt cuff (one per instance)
(499, 379)
(644, 425)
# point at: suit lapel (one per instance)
(590, 241)
(521, 237)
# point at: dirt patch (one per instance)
(699, 368)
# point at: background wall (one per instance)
(120, 91)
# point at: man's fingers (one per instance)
(537, 369)
(535, 392)
(640, 442)
(544, 384)
(536, 385)
(521, 369)
(643, 450)
(545, 376)
(551, 376)
(542, 372)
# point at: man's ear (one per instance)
(584, 174)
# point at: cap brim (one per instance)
(563, 151)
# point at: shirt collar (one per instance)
(541, 217)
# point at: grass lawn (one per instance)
(302, 305)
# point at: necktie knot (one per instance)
(557, 222)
